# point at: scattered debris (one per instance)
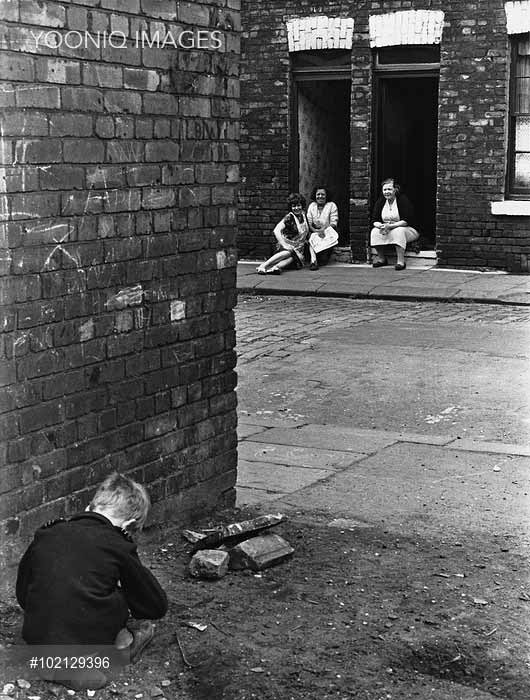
(22, 683)
(201, 626)
(90, 693)
(480, 601)
(193, 536)
(233, 531)
(260, 552)
(488, 634)
(156, 692)
(8, 689)
(209, 564)
(347, 524)
(452, 661)
(164, 684)
(257, 669)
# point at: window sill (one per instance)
(511, 207)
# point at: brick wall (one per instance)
(472, 132)
(119, 169)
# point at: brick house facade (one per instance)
(118, 178)
(424, 91)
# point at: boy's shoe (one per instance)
(124, 639)
(142, 636)
(313, 266)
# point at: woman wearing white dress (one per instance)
(393, 224)
(321, 213)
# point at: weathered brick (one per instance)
(16, 67)
(82, 99)
(71, 125)
(159, 9)
(51, 70)
(140, 79)
(209, 564)
(40, 96)
(83, 151)
(161, 151)
(121, 101)
(49, 14)
(41, 151)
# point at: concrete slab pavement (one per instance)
(363, 281)
(379, 476)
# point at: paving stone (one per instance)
(260, 552)
(307, 457)
(494, 447)
(209, 564)
(277, 477)
(251, 497)
(338, 437)
(245, 430)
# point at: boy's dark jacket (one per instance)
(79, 579)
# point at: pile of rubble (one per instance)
(237, 546)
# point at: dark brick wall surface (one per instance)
(118, 178)
(473, 125)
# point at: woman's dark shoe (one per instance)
(313, 266)
(400, 266)
(379, 263)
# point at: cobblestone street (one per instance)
(432, 368)
(299, 320)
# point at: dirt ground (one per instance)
(357, 612)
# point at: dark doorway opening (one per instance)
(406, 142)
(320, 127)
(323, 137)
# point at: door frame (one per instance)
(298, 76)
(394, 72)
(313, 67)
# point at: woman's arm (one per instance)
(310, 215)
(333, 215)
(395, 224)
(376, 213)
(278, 234)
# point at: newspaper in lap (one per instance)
(320, 242)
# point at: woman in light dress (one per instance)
(321, 213)
(393, 224)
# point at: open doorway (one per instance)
(324, 142)
(406, 132)
(321, 127)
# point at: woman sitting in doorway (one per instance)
(393, 224)
(321, 213)
(291, 234)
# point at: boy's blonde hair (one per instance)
(123, 497)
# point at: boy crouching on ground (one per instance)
(80, 580)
